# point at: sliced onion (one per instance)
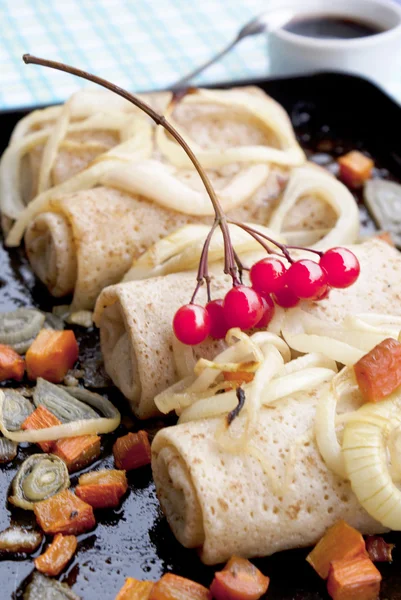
(39, 477)
(268, 113)
(44, 588)
(19, 328)
(19, 540)
(50, 150)
(59, 402)
(383, 200)
(8, 450)
(168, 191)
(309, 181)
(84, 318)
(16, 409)
(365, 456)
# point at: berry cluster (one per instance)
(272, 283)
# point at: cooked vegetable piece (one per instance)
(78, 452)
(16, 409)
(19, 328)
(40, 419)
(135, 590)
(57, 555)
(239, 580)
(353, 579)
(12, 365)
(339, 542)
(67, 404)
(51, 355)
(238, 376)
(43, 588)
(39, 477)
(64, 513)
(8, 450)
(355, 168)
(378, 373)
(386, 237)
(16, 539)
(173, 587)
(132, 451)
(102, 489)
(378, 550)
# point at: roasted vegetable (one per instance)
(43, 588)
(18, 540)
(51, 355)
(41, 418)
(102, 489)
(238, 376)
(16, 409)
(378, 550)
(173, 587)
(135, 590)
(353, 579)
(355, 168)
(19, 328)
(57, 555)
(12, 365)
(239, 580)
(78, 452)
(40, 476)
(65, 403)
(378, 373)
(64, 513)
(132, 451)
(339, 542)
(8, 450)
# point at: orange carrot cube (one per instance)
(78, 452)
(51, 355)
(355, 168)
(132, 451)
(41, 418)
(12, 365)
(239, 580)
(173, 587)
(102, 489)
(57, 555)
(64, 513)
(378, 373)
(135, 590)
(353, 579)
(339, 542)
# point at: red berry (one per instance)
(191, 324)
(267, 275)
(306, 279)
(285, 298)
(341, 266)
(243, 307)
(268, 308)
(218, 325)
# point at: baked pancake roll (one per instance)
(135, 319)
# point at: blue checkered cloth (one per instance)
(138, 44)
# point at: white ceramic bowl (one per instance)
(377, 57)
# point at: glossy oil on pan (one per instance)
(332, 114)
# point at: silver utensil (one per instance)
(266, 22)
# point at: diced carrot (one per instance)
(132, 451)
(173, 587)
(355, 168)
(378, 550)
(239, 580)
(64, 513)
(354, 579)
(378, 373)
(238, 376)
(135, 590)
(102, 489)
(12, 365)
(78, 452)
(339, 542)
(57, 555)
(40, 419)
(51, 355)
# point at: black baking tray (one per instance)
(331, 113)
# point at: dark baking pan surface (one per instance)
(331, 113)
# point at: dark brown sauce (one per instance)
(331, 27)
